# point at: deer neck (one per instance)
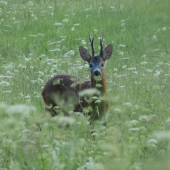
(99, 83)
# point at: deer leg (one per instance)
(92, 131)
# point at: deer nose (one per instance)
(96, 73)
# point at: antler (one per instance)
(101, 45)
(91, 42)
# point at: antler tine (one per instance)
(91, 42)
(101, 45)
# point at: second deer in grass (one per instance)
(66, 88)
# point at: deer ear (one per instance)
(107, 52)
(84, 54)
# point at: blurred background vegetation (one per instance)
(39, 39)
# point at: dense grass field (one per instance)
(40, 38)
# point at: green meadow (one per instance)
(41, 38)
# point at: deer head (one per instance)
(96, 62)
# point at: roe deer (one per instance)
(67, 87)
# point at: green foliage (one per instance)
(40, 39)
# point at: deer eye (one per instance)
(90, 65)
(102, 64)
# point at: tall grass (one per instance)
(39, 39)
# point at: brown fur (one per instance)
(63, 89)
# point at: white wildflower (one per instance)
(16, 22)
(69, 53)
(144, 62)
(100, 8)
(125, 66)
(65, 20)
(121, 53)
(143, 118)
(168, 121)
(83, 42)
(94, 97)
(137, 82)
(158, 30)
(162, 135)
(134, 122)
(135, 72)
(134, 129)
(1, 76)
(58, 24)
(3, 2)
(143, 56)
(30, 3)
(56, 49)
(20, 109)
(44, 146)
(164, 29)
(26, 131)
(117, 110)
(27, 97)
(115, 69)
(152, 141)
(95, 30)
(8, 91)
(40, 35)
(121, 86)
(148, 70)
(127, 104)
(64, 120)
(133, 68)
(154, 38)
(77, 24)
(98, 101)
(41, 73)
(63, 36)
(22, 66)
(158, 73)
(4, 83)
(7, 141)
(57, 148)
(33, 81)
(112, 7)
(89, 92)
(119, 76)
(122, 45)
(33, 16)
